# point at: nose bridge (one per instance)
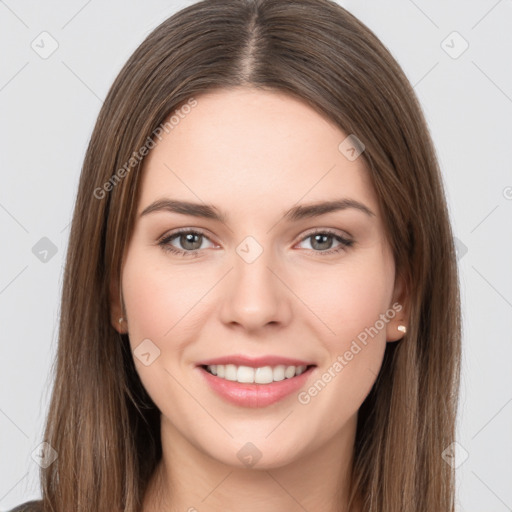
(256, 296)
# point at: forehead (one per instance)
(256, 151)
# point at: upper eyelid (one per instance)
(309, 232)
(175, 234)
(333, 231)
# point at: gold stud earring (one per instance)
(402, 328)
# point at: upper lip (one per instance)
(255, 362)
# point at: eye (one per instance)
(323, 239)
(191, 241)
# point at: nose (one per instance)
(255, 295)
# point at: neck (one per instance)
(188, 479)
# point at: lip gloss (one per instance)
(254, 395)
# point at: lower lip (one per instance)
(255, 395)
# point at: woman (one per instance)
(260, 307)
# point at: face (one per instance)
(249, 276)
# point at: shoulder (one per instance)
(29, 506)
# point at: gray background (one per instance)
(48, 109)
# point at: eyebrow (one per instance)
(294, 214)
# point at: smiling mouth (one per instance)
(260, 375)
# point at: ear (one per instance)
(116, 308)
(400, 305)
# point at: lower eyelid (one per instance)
(344, 243)
(164, 241)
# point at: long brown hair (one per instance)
(101, 422)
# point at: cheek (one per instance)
(161, 304)
(355, 305)
(348, 298)
(159, 297)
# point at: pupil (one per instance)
(318, 239)
(322, 240)
(189, 238)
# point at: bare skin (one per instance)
(254, 155)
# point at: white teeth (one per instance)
(261, 375)
(278, 372)
(300, 369)
(245, 374)
(289, 372)
(230, 372)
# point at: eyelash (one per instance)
(345, 243)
